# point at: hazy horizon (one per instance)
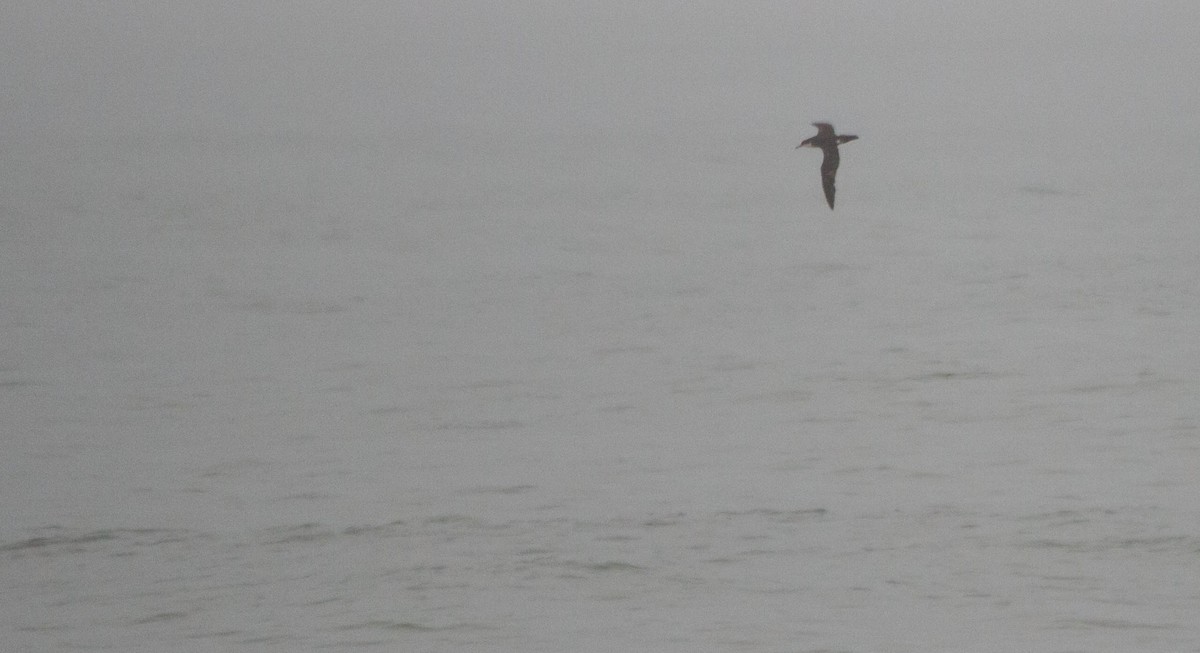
(1112, 69)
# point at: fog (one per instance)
(1081, 91)
(1061, 71)
(522, 326)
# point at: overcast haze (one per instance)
(1069, 67)
(501, 326)
(1081, 91)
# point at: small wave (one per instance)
(404, 626)
(60, 540)
(161, 616)
(482, 425)
(608, 565)
(310, 532)
(384, 529)
(500, 489)
(799, 514)
(1118, 624)
(70, 541)
(1164, 544)
(16, 384)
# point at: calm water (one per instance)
(286, 393)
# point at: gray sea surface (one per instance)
(598, 380)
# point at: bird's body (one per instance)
(828, 143)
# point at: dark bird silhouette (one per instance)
(828, 142)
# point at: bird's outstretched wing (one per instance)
(829, 166)
(824, 129)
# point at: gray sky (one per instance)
(1105, 72)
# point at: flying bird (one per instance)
(828, 142)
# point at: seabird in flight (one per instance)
(828, 142)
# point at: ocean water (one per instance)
(281, 392)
